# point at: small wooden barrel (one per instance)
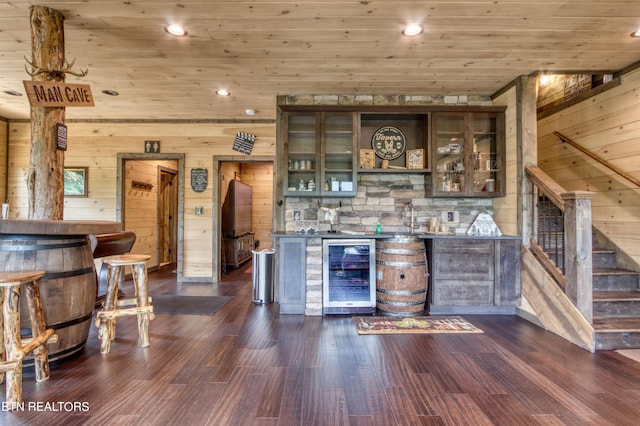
(67, 291)
(401, 276)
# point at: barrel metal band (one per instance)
(33, 247)
(400, 251)
(385, 302)
(67, 274)
(57, 357)
(403, 239)
(60, 325)
(390, 263)
(400, 292)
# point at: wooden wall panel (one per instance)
(506, 208)
(552, 307)
(141, 205)
(4, 140)
(260, 177)
(608, 124)
(97, 145)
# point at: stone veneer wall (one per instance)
(385, 198)
(382, 198)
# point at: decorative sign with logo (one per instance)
(388, 142)
(415, 158)
(244, 142)
(58, 94)
(199, 178)
(484, 226)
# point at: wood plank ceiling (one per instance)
(258, 49)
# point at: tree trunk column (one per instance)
(45, 179)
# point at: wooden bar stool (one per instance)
(114, 308)
(12, 351)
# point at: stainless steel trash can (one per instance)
(262, 275)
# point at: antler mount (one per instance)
(55, 75)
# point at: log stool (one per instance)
(12, 351)
(114, 308)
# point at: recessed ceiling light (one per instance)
(413, 30)
(12, 93)
(250, 111)
(636, 33)
(222, 92)
(176, 30)
(111, 92)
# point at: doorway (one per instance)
(257, 172)
(149, 198)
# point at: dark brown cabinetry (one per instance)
(462, 149)
(468, 152)
(320, 152)
(474, 276)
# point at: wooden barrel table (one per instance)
(68, 290)
(401, 276)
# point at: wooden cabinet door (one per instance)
(338, 155)
(463, 272)
(302, 154)
(468, 154)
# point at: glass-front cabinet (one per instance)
(303, 147)
(320, 154)
(338, 154)
(468, 153)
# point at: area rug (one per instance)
(413, 325)
(188, 305)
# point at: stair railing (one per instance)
(563, 239)
(599, 159)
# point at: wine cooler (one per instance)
(348, 276)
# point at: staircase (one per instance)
(616, 291)
(616, 303)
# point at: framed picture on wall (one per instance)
(76, 181)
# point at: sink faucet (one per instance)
(413, 224)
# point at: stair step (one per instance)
(602, 258)
(616, 304)
(615, 279)
(616, 324)
(616, 333)
(616, 296)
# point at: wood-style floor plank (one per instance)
(249, 365)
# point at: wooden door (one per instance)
(167, 216)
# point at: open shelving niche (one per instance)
(415, 128)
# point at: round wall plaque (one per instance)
(388, 142)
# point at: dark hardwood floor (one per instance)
(248, 365)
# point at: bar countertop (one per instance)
(385, 235)
(58, 227)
